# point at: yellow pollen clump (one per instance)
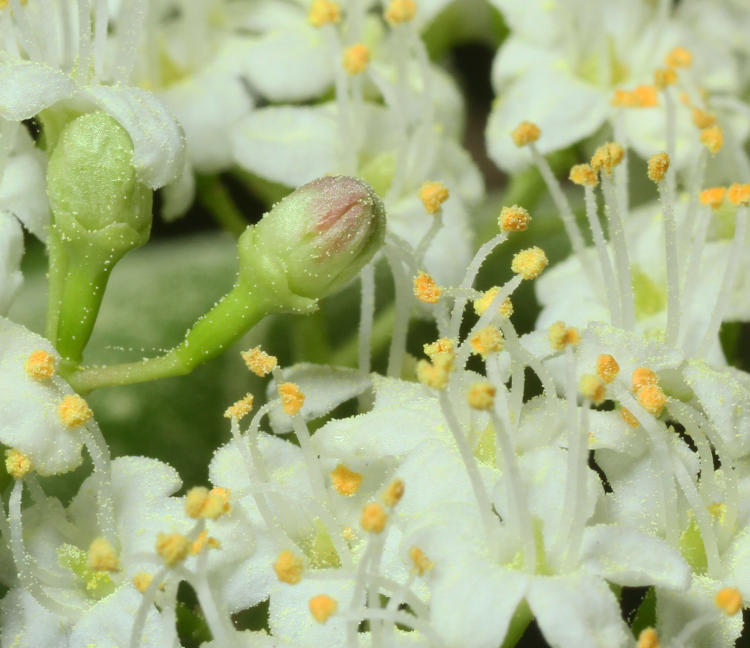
(593, 388)
(713, 196)
(433, 195)
(561, 336)
(202, 503)
(142, 580)
(323, 12)
(355, 58)
(607, 367)
(607, 157)
(40, 365)
(373, 518)
(513, 219)
(658, 165)
(436, 374)
(393, 492)
(322, 606)
(664, 77)
(348, 533)
(172, 547)
(629, 418)
(421, 562)
(259, 362)
(425, 289)
(241, 408)
(17, 463)
(652, 399)
(739, 194)
(646, 96)
(292, 398)
(481, 396)
(345, 481)
(584, 175)
(202, 541)
(642, 377)
(288, 568)
(483, 303)
(102, 556)
(624, 99)
(487, 340)
(74, 411)
(525, 133)
(529, 263)
(729, 600)
(678, 57)
(703, 119)
(400, 11)
(712, 138)
(443, 345)
(648, 639)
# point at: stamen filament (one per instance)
(366, 316)
(673, 274)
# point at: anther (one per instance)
(102, 556)
(487, 340)
(729, 600)
(584, 175)
(483, 303)
(739, 194)
(292, 398)
(443, 345)
(322, 607)
(241, 408)
(40, 365)
(374, 518)
(324, 12)
(400, 11)
(529, 263)
(646, 96)
(433, 195)
(436, 374)
(652, 399)
(593, 388)
(74, 411)
(481, 396)
(425, 289)
(607, 367)
(648, 639)
(664, 77)
(17, 463)
(142, 580)
(658, 165)
(561, 336)
(345, 481)
(393, 493)
(713, 196)
(513, 219)
(628, 417)
(202, 541)
(525, 133)
(203, 503)
(607, 157)
(420, 560)
(703, 119)
(288, 567)
(259, 362)
(355, 58)
(712, 138)
(642, 377)
(678, 57)
(172, 547)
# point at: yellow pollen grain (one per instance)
(436, 374)
(525, 133)
(487, 340)
(292, 398)
(658, 165)
(664, 77)
(584, 175)
(74, 411)
(624, 99)
(593, 388)
(322, 607)
(355, 58)
(483, 303)
(433, 195)
(712, 138)
(729, 600)
(513, 219)
(560, 336)
(642, 377)
(345, 481)
(646, 96)
(259, 362)
(40, 365)
(442, 345)
(529, 263)
(17, 463)
(241, 408)
(323, 12)
(420, 560)
(607, 157)
(172, 547)
(393, 492)
(648, 639)
(702, 119)
(739, 194)
(142, 580)
(718, 510)
(202, 541)
(481, 396)
(652, 399)
(288, 567)
(629, 418)
(713, 196)
(373, 518)
(425, 289)
(678, 57)
(102, 556)
(400, 11)
(348, 533)
(607, 367)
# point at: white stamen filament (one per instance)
(697, 174)
(366, 316)
(673, 274)
(99, 453)
(671, 127)
(516, 349)
(215, 614)
(428, 238)
(84, 40)
(147, 601)
(690, 273)
(403, 304)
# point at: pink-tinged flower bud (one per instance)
(315, 240)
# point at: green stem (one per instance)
(347, 355)
(518, 624)
(55, 282)
(213, 195)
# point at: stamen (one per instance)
(102, 556)
(529, 263)
(400, 11)
(443, 345)
(486, 341)
(17, 464)
(74, 411)
(481, 304)
(425, 289)
(142, 580)
(322, 607)
(172, 547)
(366, 316)
(607, 368)
(421, 562)
(433, 195)
(345, 481)
(436, 374)
(374, 518)
(481, 396)
(729, 600)
(292, 398)
(393, 493)
(648, 638)
(324, 12)
(678, 57)
(712, 138)
(288, 567)
(241, 408)
(259, 362)
(40, 365)
(513, 219)
(355, 58)
(561, 336)
(702, 119)
(593, 388)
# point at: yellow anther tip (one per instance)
(393, 492)
(646, 96)
(487, 340)
(628, 417)
(241, 408)
(702, 119)
(259, 362)
(322, 607)
(529, 263)
(643, 376)
(345, 481)
(583, 174)
(420, 560)
(292, 398)
(400, 11)
(323, 12)
(288, 568)
(142, 580)
(713, 196)
(374, 518)
(652, 399)
(172, 547)
(443, 345)
(607, 157)
(648, 638)
(712, 138)
(658, 165)
(433, 195)
(607, 367)
(525, 133)
(664, 77)
(481, 396)
(17, 463)
(40, 365)
(560, 336)
(678, 57)
(102, 556)
(425, 289)
(74, 411)
(483, 303)
(513, 219)
(435, 374)
(355, 58)
(729, 600)
(593, 388)
(739, 194)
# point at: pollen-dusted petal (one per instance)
(513, 219)
(355, 58)
(702, 119)
(593, 388)
(393, 492)
(729, 600)
(712, 138)
(102, 556)
(658, 165)
(529, 263)
(259, 362)
(648, 639)
(400, 11)
(292, 398)
(288, 567)
(678, 57)
(433, 195)
(425, 289)
(17, 463)
(607, 157)
(739, 194)
(487, 340)
(241, 408)
(442, 345)
(584, 175)
(481, 395)
(345, 481)
(374, 518)
(643, 376)
(652, 399)
(420, 560)
(74, 411)
(172, 547)
(322, 607)
(561, 336)
(525, 133)
(628, 417)
(40, 365)
(324, 12)
(607, 367)
(713, 196)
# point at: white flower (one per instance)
(11, 251)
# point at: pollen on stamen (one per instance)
(400, 11)
(525, 133)
(628, 417)
(642, 377)
(513, 219)
(322, 607)
(345, 481)
(529, 263)
(210, 504)
(624, 99)
(712, 138)
(483, 303)
(607, 157)
(739, 194)
(729, 600)
(259, 362)
(442, 345)
(172, 547)
(323, 12)
(652, 399)
(658, 165)
(584, 175)
(17, 463)
(607, 367)
(433, 195)
(355, 58)
(713, 196)
(646, 96)
(678, 57)
(664, 77)
(292, 398)
(593, 388)
(142, 580)
(425, 289)
(648, 638)
(202, 542)
(481, 396)
(702, 119)
(393, 493)
(420, 560)
(102, 556)
(487, 340)
(288, 567)
(560, 336)
(436, 374)
(40, 365)
(374, 518)
(241, 408)
(74, 411)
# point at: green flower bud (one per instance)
(93, 191)
(314, 241)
